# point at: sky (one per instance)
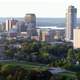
(42, 8)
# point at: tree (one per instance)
(70, 57)
(9, 53)
(13, 72)
(78, 75)
(77, 54)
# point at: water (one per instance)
(60, 22)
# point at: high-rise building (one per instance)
(10, 23)
(30, 24)
(2, 27)
(21, 27)
(30, 20)
(71, 21)
(76, 38)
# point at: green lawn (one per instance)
(69, 74)
(27, 65)
(36, 66)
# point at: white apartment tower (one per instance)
(8, 25)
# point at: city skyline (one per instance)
(46, 8)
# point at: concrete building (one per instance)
(44, 34)
(30, 24)
(51, 33)
(10, 24)
(76, 38)
(30, 19)
(21, 27)
(71, 21)
(1, 27)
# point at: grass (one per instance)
(68, 74)
(26, 65)
(36, 66)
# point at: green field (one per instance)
(68, 74)
(36, 66)
(26, 65)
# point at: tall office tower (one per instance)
(71, 21)
(30, 23)
(30, 19)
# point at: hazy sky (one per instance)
(42, 8)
